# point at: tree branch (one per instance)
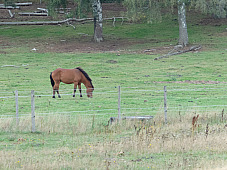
(53, 22)
(193, 48)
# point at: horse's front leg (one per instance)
(75, 85)
(79, 86)
(58, 93)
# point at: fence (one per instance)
(115, 102)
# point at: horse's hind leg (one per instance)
(53, 93)
(56, 88)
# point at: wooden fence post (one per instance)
(33, 110)
(119, 103)
(17, 107)
(165, 104)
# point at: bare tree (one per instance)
(183, 32)
(97, 12)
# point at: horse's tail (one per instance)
(51, 80)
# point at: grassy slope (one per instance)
(66, 141)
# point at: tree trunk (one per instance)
(183, 33)
(97, 12)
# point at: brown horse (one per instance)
(69, 76)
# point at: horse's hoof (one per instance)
(73, 95)
(59, 96)
(53, 97)
(81, 96)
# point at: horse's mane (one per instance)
(86, 75)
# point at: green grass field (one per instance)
(73, 133)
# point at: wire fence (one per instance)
(110, 102)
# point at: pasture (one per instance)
(73, 133)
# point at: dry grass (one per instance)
(69, 142)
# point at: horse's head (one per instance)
(89, 92)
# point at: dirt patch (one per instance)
(85, 44)
(82, 44)
(76, 45)
(213, 22)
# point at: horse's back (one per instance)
(67, 76)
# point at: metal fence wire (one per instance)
(116, 102)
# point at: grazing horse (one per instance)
(69, 76)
